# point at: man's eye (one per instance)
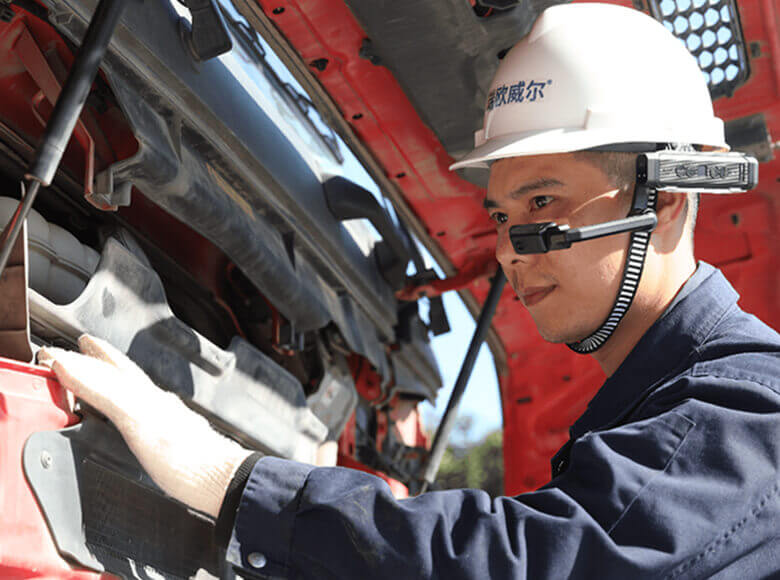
(498, 217)
(541, 200)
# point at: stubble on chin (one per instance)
(567, 330)
(563, 337)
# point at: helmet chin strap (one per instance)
(644, 201)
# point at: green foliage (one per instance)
(476, 466)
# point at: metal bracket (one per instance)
(347, 200)
(208, 36)
(31, 56)
(14, 306)
(432, 288)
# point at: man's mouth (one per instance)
(535, 294)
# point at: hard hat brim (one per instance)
(567, 140)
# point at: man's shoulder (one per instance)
(736, 365)
(740, 327)
(739, 348)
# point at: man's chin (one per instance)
(554, 338)
(562, 336)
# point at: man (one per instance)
(673, 469)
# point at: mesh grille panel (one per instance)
(711, 32)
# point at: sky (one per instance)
(481, 398)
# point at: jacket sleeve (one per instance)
(595, 520)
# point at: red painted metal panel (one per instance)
(31, 399)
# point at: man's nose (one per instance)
(505, 252)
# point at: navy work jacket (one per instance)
(672, 472)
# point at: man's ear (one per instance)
(671, 211)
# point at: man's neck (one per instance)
(640, 317)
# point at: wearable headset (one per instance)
(678, 172)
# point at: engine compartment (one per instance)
(188, 225)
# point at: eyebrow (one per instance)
(541, 183)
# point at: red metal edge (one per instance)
(31, 400)
(27, 368)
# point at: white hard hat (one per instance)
(594, 75)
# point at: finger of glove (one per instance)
(103, 350)
(94, 381)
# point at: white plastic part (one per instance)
(590, 75)
(60, 266)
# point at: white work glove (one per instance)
(176, 446)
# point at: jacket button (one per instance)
(256, 560)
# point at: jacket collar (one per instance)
(668, 344)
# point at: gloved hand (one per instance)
(177, 447)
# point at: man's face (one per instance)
(570, 292)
